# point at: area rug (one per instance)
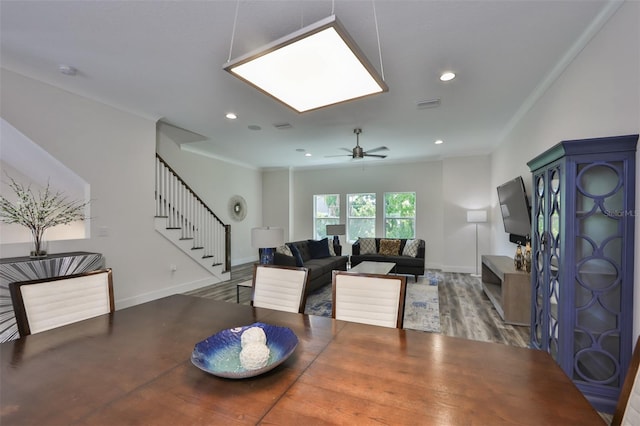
(421, 309)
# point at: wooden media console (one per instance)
(509, 290)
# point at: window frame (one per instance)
(387, 217)
(350, 218)
(319, 233)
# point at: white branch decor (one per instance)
(41, 212)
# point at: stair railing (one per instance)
(186, 211)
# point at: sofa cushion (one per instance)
(367, 245)
(389, 247)
(303, 249)
(400, 261)
(411, 248)
(297, 255)
(323, 266)
(318, 249)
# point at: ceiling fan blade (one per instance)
(374, 155)
(339, 155)
(345, 149)
(380, 148)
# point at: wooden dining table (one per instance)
(133, 367)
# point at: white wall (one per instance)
(114, 152)
(215, 182)
(442, 189)
(597, 95)
(276, 196)
(465, 186)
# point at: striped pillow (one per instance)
(332, 252)
(367, 245)
(284, 250)
(411, 248)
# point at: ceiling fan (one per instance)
(358, 152)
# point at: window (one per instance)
(400, 214)
(361, 216)
(326, 211)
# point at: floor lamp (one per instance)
(476, 217)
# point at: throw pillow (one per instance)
(367, 245)
(411, 248)
(332, 252)
(284, 250)
(318, 249)
(389, 247)
(297, 255)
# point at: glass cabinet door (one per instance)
(553, 258)
(546, 252)
(538, 311)
(598, 259)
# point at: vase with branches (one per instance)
(39, 212)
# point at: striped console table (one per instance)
(25, 269)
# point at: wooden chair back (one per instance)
(280, 287)
(47, 303)
(369, 298)
(628, 408)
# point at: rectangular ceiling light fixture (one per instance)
(314, 67)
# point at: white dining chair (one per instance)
(628, 408)
(369, 298)
(47, 303)
(280, 287)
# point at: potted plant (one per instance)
(39, 212)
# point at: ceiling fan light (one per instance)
(314, 67)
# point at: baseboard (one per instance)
(428, 265)
(169, 291)
(459, 269)
(236, 262)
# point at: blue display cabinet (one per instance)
(582, 240)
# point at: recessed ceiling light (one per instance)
(439, 141)
(308, 154)
(254, 127)
(447, 76)
(300, 149)
(231, 116)
(67, 69)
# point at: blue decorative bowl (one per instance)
(220, 353)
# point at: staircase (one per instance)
(185, 220)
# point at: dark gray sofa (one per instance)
(319, 268)
(404, 264)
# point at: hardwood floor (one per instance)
(466, 312)
(464, 309)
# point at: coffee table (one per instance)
(368, 267)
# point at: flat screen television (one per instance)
(515, 210)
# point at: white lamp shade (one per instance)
(336, 229)
(476, 216)
(314, 67)
(267, 237)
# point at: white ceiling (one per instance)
(164, 59)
